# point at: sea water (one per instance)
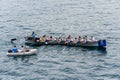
(98, 18)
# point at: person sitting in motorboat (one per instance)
(43, 39)
(26, 49)
(22, 49)
(15, 49)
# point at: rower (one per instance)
(43, 39)
(83, 40)
(92, 38)
(75, 41)
(79, 38)
(68, 39)
(51, 39)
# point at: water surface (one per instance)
(60, 17)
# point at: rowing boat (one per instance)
(37, 42)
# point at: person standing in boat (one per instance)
(33, 35)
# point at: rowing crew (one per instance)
(67, 40)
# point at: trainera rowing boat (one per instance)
(100, 44)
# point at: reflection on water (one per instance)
(23, 58)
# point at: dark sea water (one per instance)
(100, 18)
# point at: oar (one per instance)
(13, 39)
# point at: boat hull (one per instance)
(20, 53)
(88, 44)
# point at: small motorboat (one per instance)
(22, 53)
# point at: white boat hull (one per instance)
(20, 53)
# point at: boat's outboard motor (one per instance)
(10, 51)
